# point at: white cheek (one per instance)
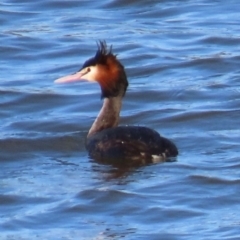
(92, 75)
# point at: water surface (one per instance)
(182, 61)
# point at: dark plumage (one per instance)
(133, 143)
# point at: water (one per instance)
(182, 60)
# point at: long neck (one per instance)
(108, 116)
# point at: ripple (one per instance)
(182, 63)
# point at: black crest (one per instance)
(101, 55)
(103, 51)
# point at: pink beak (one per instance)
(70, 78)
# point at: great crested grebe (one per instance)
(106, 140)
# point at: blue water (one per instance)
(182, 61)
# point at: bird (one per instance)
(106, 141)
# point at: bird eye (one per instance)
(88, 69)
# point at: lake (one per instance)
(182, 61)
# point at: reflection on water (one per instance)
(182, 61)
